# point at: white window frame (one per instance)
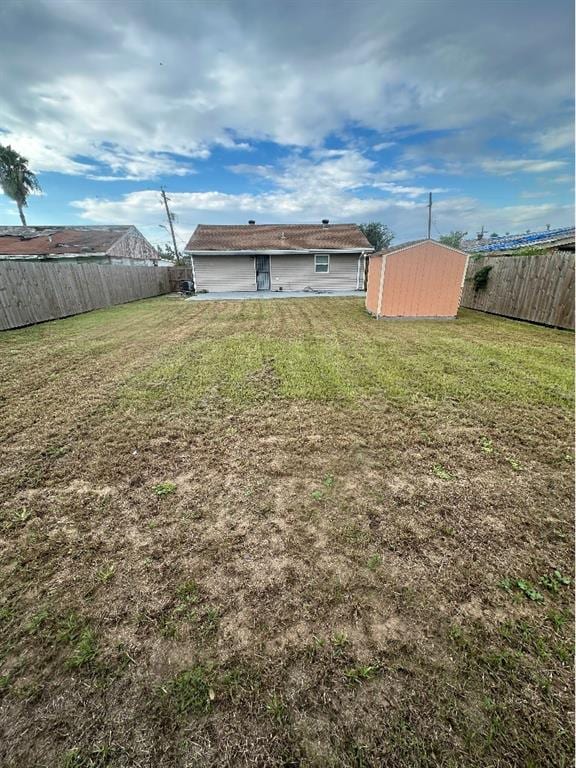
(316, 270)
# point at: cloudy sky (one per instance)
(292, 111)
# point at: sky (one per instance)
(288, 111)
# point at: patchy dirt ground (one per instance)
(284, 534)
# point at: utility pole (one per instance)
(170, 221)
(429, 214)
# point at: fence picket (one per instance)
(31, 292)
(539, 288)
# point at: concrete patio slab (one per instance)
(263, 295)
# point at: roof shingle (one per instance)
(279, 237)
(47, 241)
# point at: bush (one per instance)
(481, 278)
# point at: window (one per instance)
(322, 262)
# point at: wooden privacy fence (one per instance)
(31, 292)
(538, 288)
(177, 274)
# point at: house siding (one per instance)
(224, 273)
(290, 273)
(295, 273)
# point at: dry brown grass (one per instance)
(283, 534)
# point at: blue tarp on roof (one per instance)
(510, 242)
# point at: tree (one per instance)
(379, 235)
(167, 252)
(16, 179)
(454, 239)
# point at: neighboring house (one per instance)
(421, 278)
(119, 245)
(278, 257)
(548, 240)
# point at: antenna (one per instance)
(429, 214)
(170, 217)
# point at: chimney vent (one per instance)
(251, 221)
(325, 222)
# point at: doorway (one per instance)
(263, 273)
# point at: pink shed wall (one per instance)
(423, 280)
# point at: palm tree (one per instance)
(16, 179)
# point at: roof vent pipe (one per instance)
(251, 221)
(325, 222)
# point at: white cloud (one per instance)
(447, 168)
(534, 194)
(505, 167)
(405, 216)
(133, 166)
(469, 215)
(340, 185)
(557, 138)
(145, 210)
(284, 206)
(301, 189)
(328, 171)
(44, 154)
(411, 192)
(134, 91)
(120, 84)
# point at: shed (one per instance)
(418, 279)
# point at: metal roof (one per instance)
(546, 239)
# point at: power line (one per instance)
(178, 237)
(181, 241)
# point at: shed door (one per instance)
(262, 273)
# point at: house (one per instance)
(106, 244)
(278, 257)
(421, 279)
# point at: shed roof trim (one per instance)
(414, 243)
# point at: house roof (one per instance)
(550, 238)
(50, 241)
(277, 237)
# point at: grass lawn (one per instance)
(280, 533)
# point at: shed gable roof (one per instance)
(50, 241)
(271, 237)
(414, 243)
